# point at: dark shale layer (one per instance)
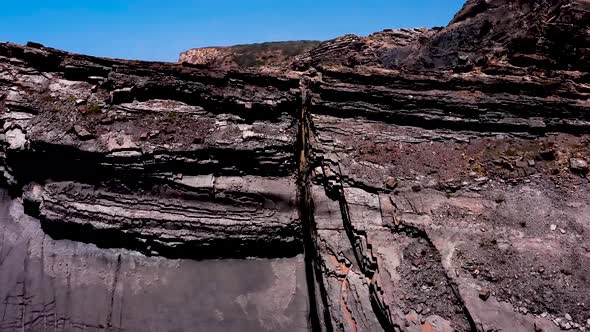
(411, 180)
(61, 285)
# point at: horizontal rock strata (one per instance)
(62, 285)
(159, 157)
(198, 217)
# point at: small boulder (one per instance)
(82, 133)
(106, 120)
(16, 139)
(578, 165)
(391, 183)
(484, 294)
(482, 179)
(153, 133)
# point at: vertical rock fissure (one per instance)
(109, 323)
(320, 316)
(305, 208)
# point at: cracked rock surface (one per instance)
(411, 180)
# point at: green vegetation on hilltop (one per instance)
(251, 55)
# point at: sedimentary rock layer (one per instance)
(456, 229)
(160, 157)
(62, 285)
(448, 193)
(197, 217)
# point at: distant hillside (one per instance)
(270, 54)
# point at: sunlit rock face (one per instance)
(263, 56)
(410, 180)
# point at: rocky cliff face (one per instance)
(270, 55)
(485, 35)
(434, 180)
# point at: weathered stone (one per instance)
(391, 183)
(484, 294)
(16, 139)
(82, 133)
(578, 165)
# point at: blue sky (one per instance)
(161, 29)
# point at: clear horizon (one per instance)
(156, 30)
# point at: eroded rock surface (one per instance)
(61, 285)
(433, 179)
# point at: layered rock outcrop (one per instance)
(116, 148)
(434, 179)
(162, 159)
